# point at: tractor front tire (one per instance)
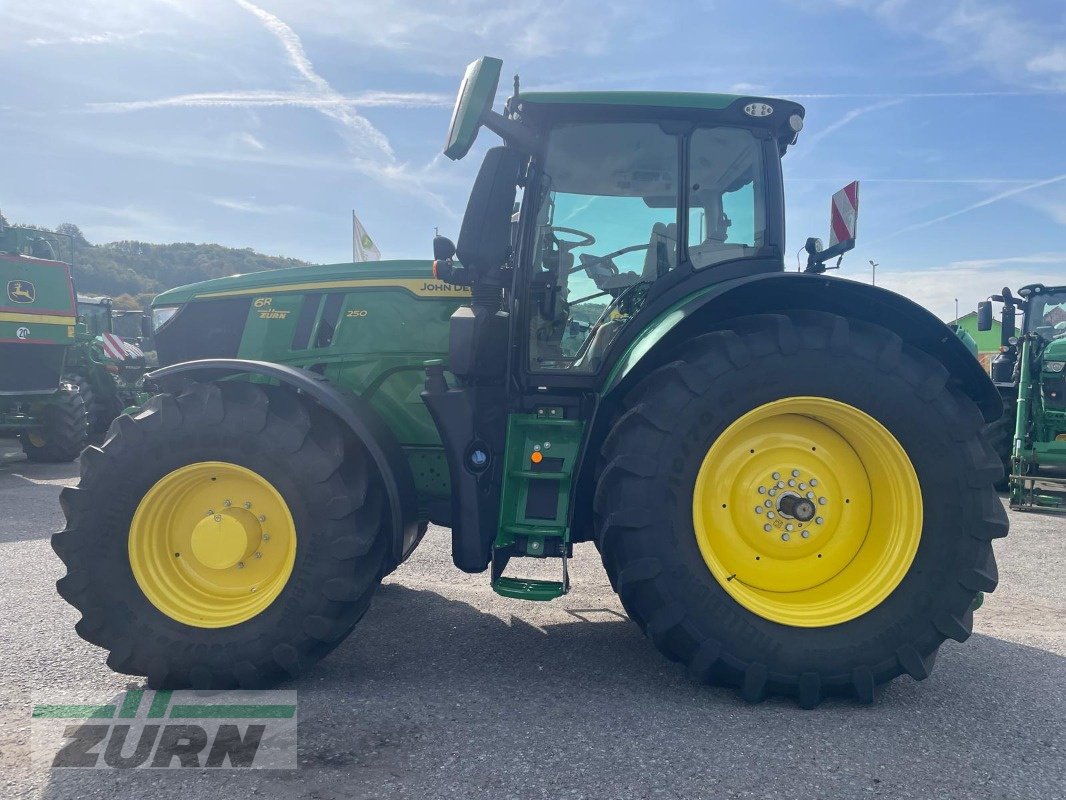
(799, 505)
(229, 535)
(65, 430)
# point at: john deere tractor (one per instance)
(1029, 373)
(38, 403)
(107, 367)
(785, 473)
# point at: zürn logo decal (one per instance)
(166, 730)
(21, 292)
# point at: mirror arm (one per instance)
(513, 133)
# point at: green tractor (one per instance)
(785, 474)
(1029, 374)
(107, 367)
(38, 319)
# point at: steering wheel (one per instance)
(586, 240)
(608, 258)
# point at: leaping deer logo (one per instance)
(21, 292)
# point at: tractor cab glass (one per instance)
(96, 316)
(1047, 314)
(611, 200)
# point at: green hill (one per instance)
(134, 272)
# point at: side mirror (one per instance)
(485, 237)
(472, 104)
(146, 327)
(443, 248)
(984, 315)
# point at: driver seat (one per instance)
(661, 256)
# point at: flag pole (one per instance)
(353, 235)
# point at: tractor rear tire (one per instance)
(650, 512)
(100, 410)
(330, 513)
(65, 431)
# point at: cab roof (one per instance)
(698, 100)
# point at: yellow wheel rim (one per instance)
(807, 511)
(212, 544)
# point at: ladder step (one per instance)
(528, 589)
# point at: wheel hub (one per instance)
(807, 511)
(212, 544)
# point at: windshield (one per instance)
(1047, 314)
(607, 226)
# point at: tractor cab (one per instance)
(629, 206)
(1030, 376)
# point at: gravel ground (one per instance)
(446, 690)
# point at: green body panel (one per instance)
(37, 324)
(36, 298)
(393, 317)
(698, 100)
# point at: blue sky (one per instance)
(262, 125)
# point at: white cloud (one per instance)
(252, 207)
(1007, 39)
(973, 280)
(104, 37)
(250, 140)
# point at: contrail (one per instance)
(294, 49)
(272, 98)
(847, 119)
(981, 204)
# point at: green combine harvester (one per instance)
(785, 474)
(1029, 374)
(38, 322)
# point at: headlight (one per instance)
(1054, 366)
(161, 316)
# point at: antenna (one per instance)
(516, 84)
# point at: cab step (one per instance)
(528, 588)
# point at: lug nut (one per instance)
(258, 555)
(266, 537)
(805, 534)
(240, 565)
(785, 537)
(789, 527)
(769, 504)
(758, 509)
(218, 517)
(802, 486)
(810, 495)
(767, 528)
(776, 476)
(262, 518)
(770, 515)
(791, 483)
(762, 490)
(795, 473)
(226, 503)
(247, 504)
(814, 482)
(780, 484)
(822, 501)
(819, 520)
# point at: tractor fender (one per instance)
(712, 307)
(357, 414)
